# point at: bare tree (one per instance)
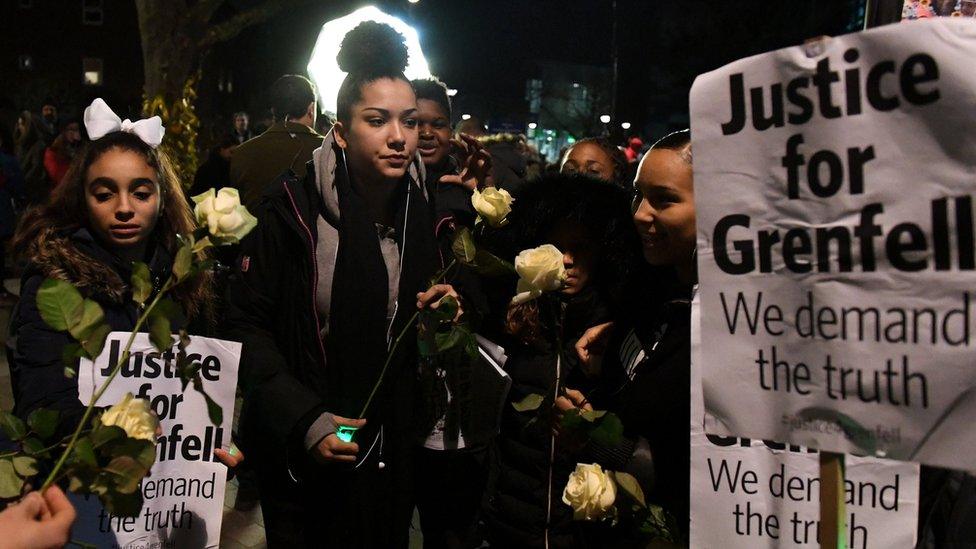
(176, 36)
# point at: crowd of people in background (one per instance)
(357, 213)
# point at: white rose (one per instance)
(493, 205)
(133, 416)
(590, 491)
(540, 270)
(222, 213)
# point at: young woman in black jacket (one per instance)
(646, 354)
(589, 221)
(120, 202)
(338, 265)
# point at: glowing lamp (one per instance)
(324, 70)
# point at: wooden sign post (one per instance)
(833, 512)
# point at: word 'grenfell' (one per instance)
(906, 245)
(915, 71)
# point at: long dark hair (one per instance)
(368, 52)
(67, 210)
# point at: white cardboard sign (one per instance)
(836, 256)
(184, 492)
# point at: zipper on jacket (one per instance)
(315, 269)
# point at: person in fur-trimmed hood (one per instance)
(589, 221)
(120, 202)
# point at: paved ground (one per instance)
(241, 530)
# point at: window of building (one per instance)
(92, 71)
(91, 12)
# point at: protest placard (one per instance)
(836, 243)
(747, 493)
(184, 492)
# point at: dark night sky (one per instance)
(485, 48)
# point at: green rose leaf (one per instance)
(629, 485)
(43, 422)
(59, 303)
(592, 415)
(447, 309)
(183, 261)
(70, 355)
(91, 318)
(12, 426)
(10, 482)
(529, 403)
(141, 282)
(572, 420)
(95, 342)
(25, 466)
(103, 434)
(118, 503)
(160, 323)
(34, 447)
(141, 450)
(127, 473)
(214, 410)
(457, 336)
(463, 246)
(608, 430)
(487, 264)
(84, 452)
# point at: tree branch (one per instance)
(221, 32)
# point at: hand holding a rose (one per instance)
(39, 521)
(433, 296)
(569, 400)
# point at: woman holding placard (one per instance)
(120, 202)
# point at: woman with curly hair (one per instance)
(589, 221)
(341, 260)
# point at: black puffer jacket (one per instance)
(520, 491)
(34, 348)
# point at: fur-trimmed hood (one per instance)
(76, 257)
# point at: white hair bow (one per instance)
(101, 120)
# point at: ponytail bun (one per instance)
(373, 48)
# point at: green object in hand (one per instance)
(345, 433)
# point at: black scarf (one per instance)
(358, 326)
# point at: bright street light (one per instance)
(465, 116)
(605, 118)
(323, 68)
(533, 125)
(625, 125)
